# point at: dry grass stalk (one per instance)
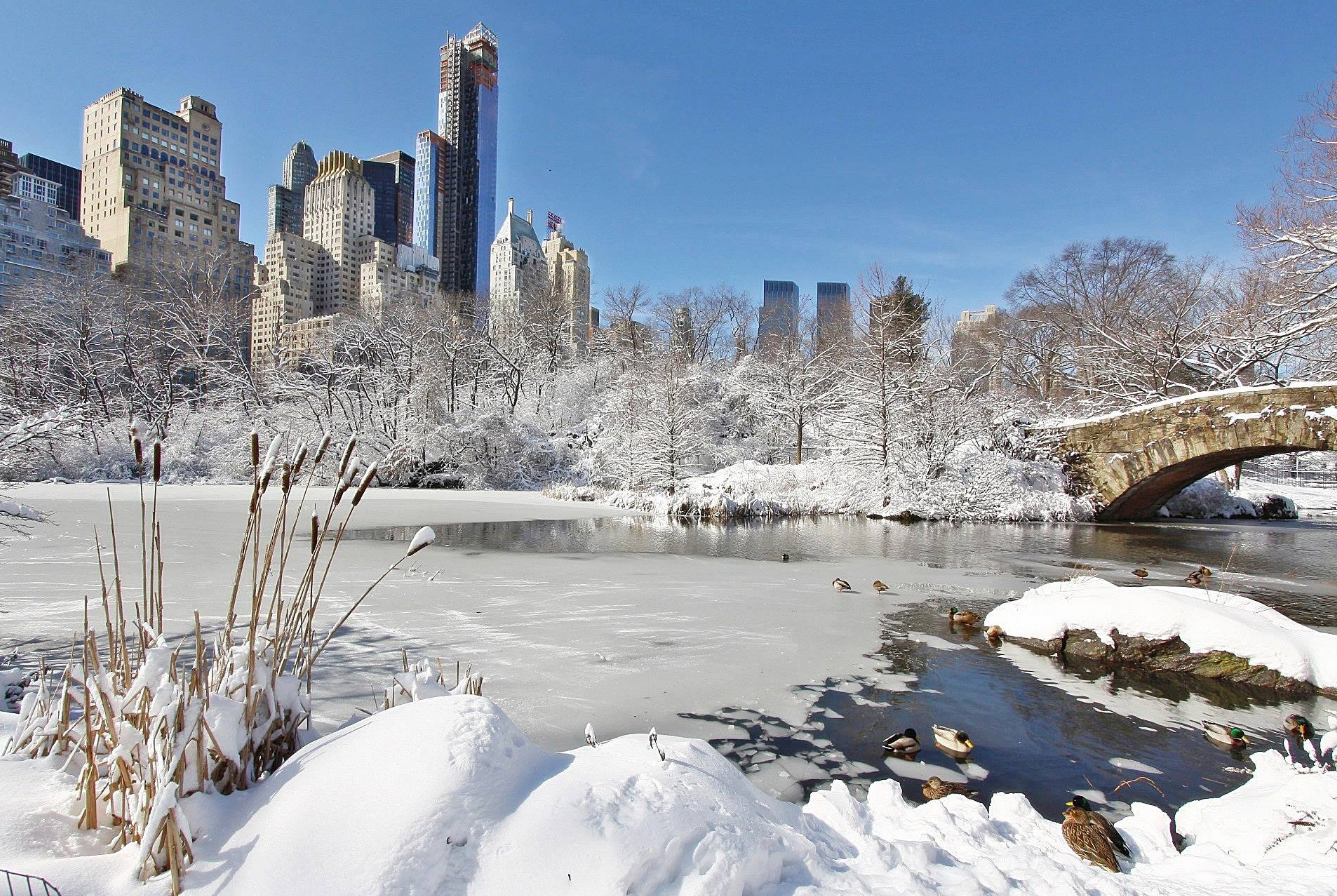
(146, 728)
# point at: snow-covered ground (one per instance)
(447, 795)
(1205, 620)
(1309, 501)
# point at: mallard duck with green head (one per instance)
(1229, 736)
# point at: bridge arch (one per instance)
(1136, 460)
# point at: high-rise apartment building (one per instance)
(835, 320)
(285, 199)
(37, 236)
(336, 266)
(69, 178)
(455, 217)
(569, 284)
(391, 176)
(777, 320)
(153, 186)
(519, 275)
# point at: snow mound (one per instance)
(1204, 620)
(1209, 499)
(447, 796)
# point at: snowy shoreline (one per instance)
(447, 795)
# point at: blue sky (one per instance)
(697, 143)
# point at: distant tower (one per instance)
(457, 165)
(285, 199)
(835, 323)
(778, 318)
(519, 271)
(569, 280)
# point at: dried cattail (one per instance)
(424, 536)
(315, 530)
(139, 451)
(287, 477)
(157, 461)
(298, 461)
(367, 477)
(255, 449)
(348, 454)
(320, 451)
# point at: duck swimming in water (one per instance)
(1229, 736)
(952, 741)
(905, 742)
(963, 617)
(840, 585)
(1298, 727)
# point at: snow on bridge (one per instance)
(1136, 460)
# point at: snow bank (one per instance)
(1210, 499)
(1204, 620)
(448, 796)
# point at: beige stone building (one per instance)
(153, 186)
(335, 267)
(569, 280)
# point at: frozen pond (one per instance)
(574, 616)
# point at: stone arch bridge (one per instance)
(1136, 460)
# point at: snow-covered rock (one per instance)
(447, 796)
(1205, 621)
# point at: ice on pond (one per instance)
(922, 771)
(1132, 765)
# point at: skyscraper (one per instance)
(285, 199)
(153, 187)
(459, 162)
(67, 176)
(834, 320)
(9, 166)
(519, 270)
(336, 266)
(777, 320)
(569, 281)
(391, 176)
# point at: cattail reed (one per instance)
(367, 477)
(255, 449)
(157, 462)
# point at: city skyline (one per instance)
(943, 171)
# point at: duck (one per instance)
(994, 633)
(963, 617)
(1095, 818)
(1229, 736)
(1204, 572)
(1087, 840)
(1141, 574)
(905, 742)
(1298, 727)
(952, 741)
(1195, 578)
(936, 788)
(880, 586)
(784, 558)
(841, 585)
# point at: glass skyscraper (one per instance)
(391, 176)
(69, 178)
(778, 318)
(285, 199)
(834, 318)
(456, 179)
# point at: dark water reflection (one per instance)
(1040, 729)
